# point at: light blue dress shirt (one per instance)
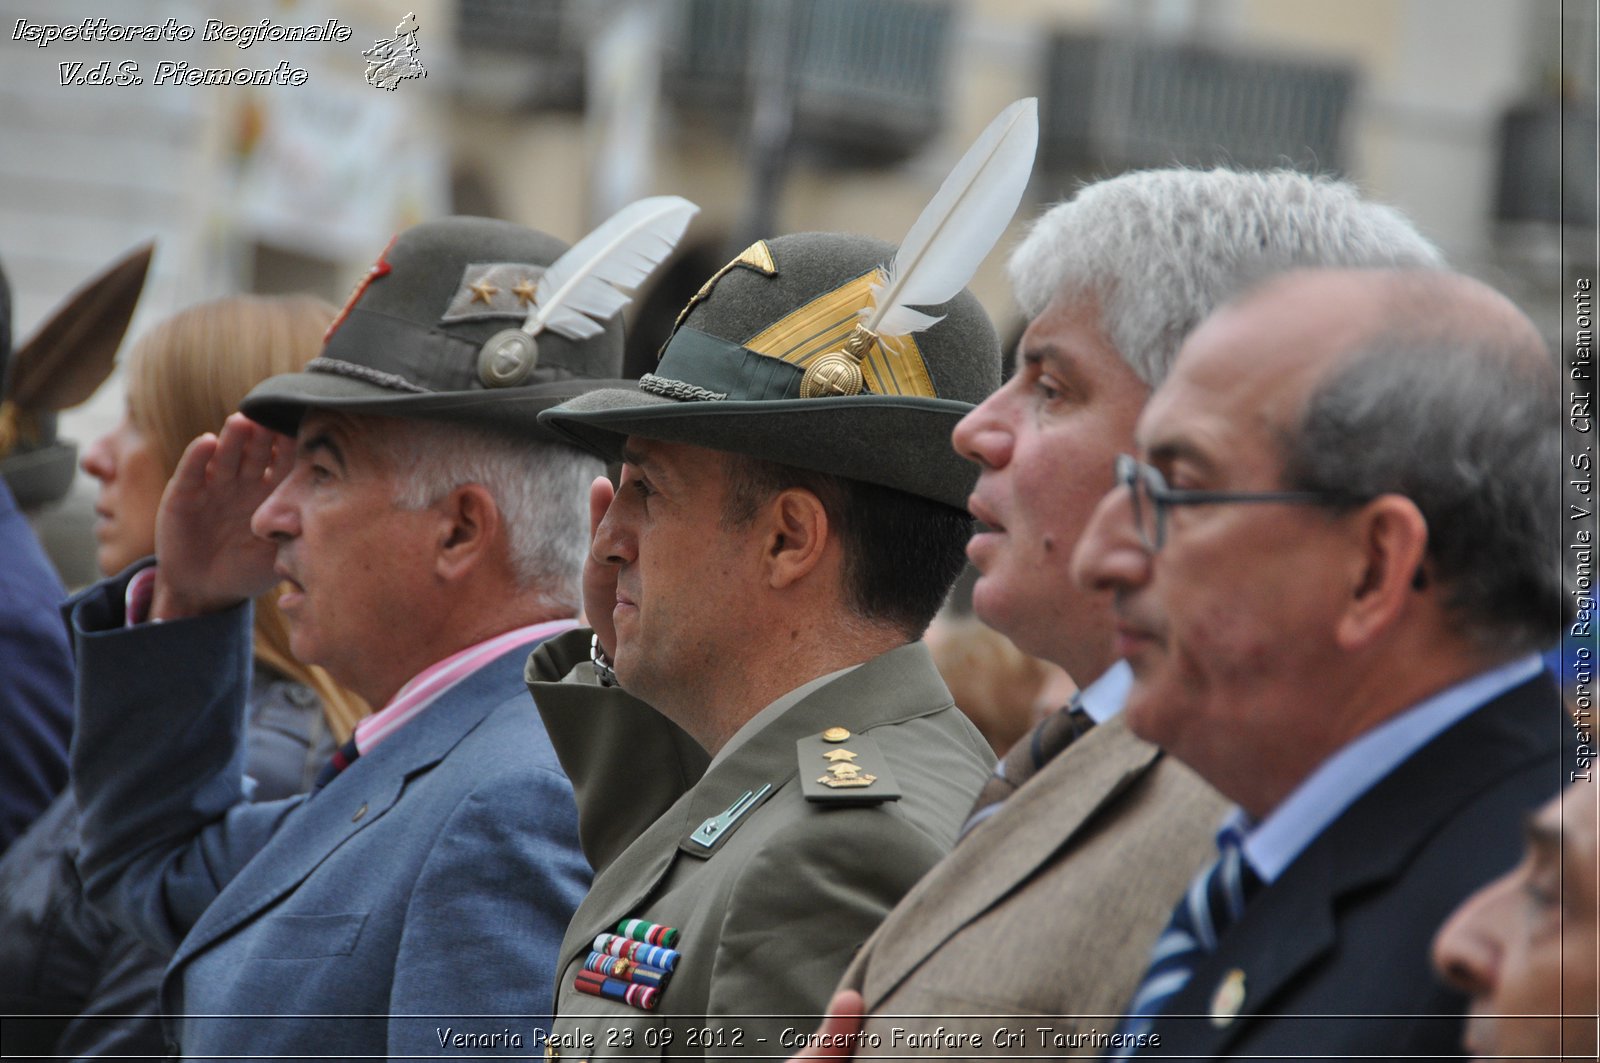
(1272, 844)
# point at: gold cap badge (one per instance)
(838, 373)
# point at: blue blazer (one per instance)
(428, 883)
(1333, 958)
(35, 676)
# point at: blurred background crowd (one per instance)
(775, 116)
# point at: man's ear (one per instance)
(469, 523)
(1391, 545)
(798, 533)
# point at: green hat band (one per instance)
(412, 354)
(720, 369)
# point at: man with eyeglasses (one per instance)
(1332, 567)
(1046, 909)
(1151, 499)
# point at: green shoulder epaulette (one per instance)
(840, 768)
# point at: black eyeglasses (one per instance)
(1152, 497)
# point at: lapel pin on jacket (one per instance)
(1228, 999)
(709, 832)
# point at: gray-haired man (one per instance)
(1050, 903)
(1333, 564)
(427, 532)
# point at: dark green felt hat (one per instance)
(734, 373)
(413, 339)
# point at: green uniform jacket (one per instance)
(770, 913)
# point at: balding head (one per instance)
(1350, 309)
(1398, 435)
(1441, 390)
(1429, 385)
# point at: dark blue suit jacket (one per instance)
(35, 676)
(1333, 957)
(430, 881)
(74, 984)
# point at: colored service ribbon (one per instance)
(650, 933)
(638, 951)
(597, 985)
(625, 969)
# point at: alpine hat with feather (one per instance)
(61, 366)
(805, 350)
(481, 322)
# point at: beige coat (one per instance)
(1049, 908)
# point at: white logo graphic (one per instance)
(391, 62)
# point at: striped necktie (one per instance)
(1213, 903)
(1032, 752)
(342, 758)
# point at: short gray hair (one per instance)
(540, 488)
(1470, 431)
(1162, 249)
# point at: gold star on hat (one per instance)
(524, 291)
(483, 292)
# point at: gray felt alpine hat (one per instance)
(413, 339)
(733, 376)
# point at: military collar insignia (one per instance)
(712, 830)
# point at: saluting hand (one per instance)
(208, 559)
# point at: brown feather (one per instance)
(72, 353)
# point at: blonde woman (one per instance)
(183, 379)
(57, 956)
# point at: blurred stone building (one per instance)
(774, 115)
